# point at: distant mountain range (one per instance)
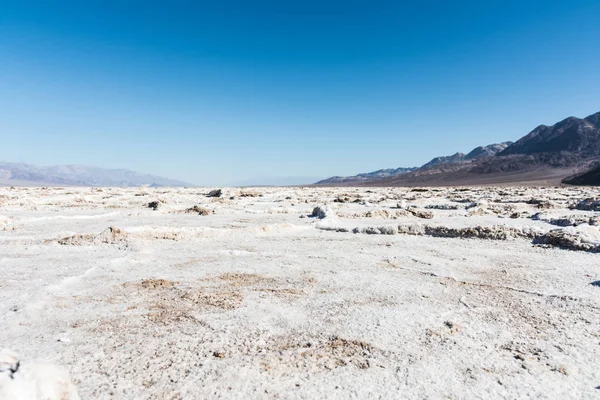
(568, 151)
(480, 151)
(78, 175)
(368, 176)
(277, 181)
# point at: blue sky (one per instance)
(227, 92)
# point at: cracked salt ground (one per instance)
(464, 292)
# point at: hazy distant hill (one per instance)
(78, 175)
(480, 151)
(278, 181)
(546, 155)
(477, 152)
(453, 159)
(489, 150)
(368, 176)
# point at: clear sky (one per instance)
(223, 92)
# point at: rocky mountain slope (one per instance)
(580, 136)
(456, 158)
(78, 175)
(477, 152)
(368, 176)
(453, 159)
(489, 150)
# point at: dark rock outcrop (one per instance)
(590, 177)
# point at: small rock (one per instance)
(442, 207)
(197, 209)
(322, 212)
(421, 214)
(215, 193)
(340, 199)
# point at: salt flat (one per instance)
(387, 293)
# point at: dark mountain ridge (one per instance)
(581, 136)
(546, 155)
(590, 177)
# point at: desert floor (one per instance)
(384, 293)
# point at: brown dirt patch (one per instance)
(154, 283)
(243, 279)
(323, 353)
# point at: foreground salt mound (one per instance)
(30, 380)
(111, 236)
(589, 204)
(582, 237)
(495, 232)
(567, 220)
(375, 214)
